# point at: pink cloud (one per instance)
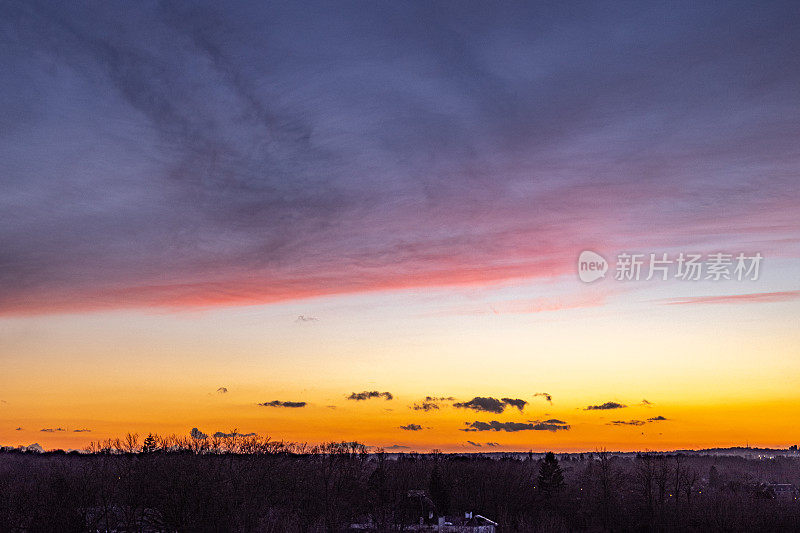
(758, 297)
(536, 305)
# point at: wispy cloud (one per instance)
(636, 422)
(627, 423)
(431, 403)
(424, 406)
(562, 302)
(392, 175)
(757, 297)
(544, 395)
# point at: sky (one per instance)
(245, 217)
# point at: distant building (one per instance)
(469, 523)
(420, 515)
(783, 491)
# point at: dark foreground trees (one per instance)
(238, 483)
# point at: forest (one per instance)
(250, 483)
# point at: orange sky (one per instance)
(721, 375)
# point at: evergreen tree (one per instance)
(551, 477)
(713, 477)
(439, 492)
(149, 444)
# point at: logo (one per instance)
(664, 266)
(591, 266)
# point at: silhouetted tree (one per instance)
(644, 475)
(149, 444)
(713, 477)
(438, 489)
(379, 492)
(551, 477)
(606, 485)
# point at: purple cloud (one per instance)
(194, 155)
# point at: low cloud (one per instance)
(425, 406)
(197, 434)
(220, 434)
(82, 430)
(430, 403)
(18, 429)
(222, 390)
(476, 444)
(411, 427)
(626, 423)
(544, 395)
(396, 447)
(491, 405)
(493, 444)
(636, 422)
(51, 430)
(645, 403)
(554, 421)
(278, 403)
(479, 403)
(512, 427)
(306, 318)
(367, 395)
(605, 406)
(515, 402)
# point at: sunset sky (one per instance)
(208, 210)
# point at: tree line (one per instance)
(247, 483)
